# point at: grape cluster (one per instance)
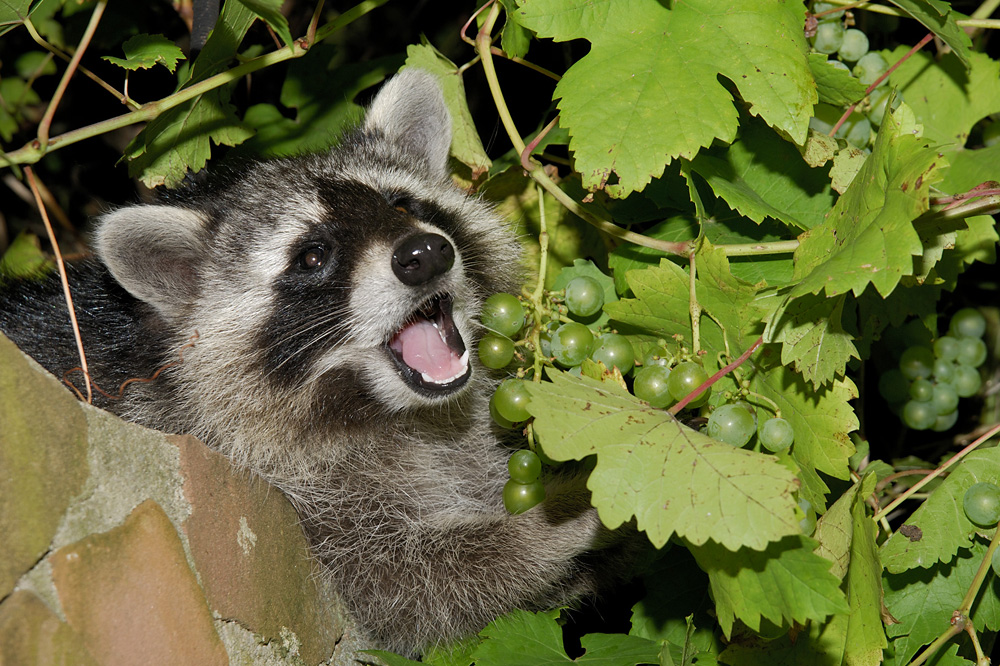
(926, 386)
(847, 49)
(524, 489)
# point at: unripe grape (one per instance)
(519, 497)
(982, 503)
(825, 116)
(879, 99)
(944, 371)
(946, 348)
(967, 323)
(614, 350)
(919, 415)
(495, 351)
(871, 66)
(651, 385)
(966, 381)
(571, 344)
(584, 296)
(829, 37)
(524, 466)
(853, 45)
(945, 421)
(917, 362)
(921, 390)
(503, 314)
(512, 400)
(497, 417)
(732, 424)
(820, 7)
(656, 356)
(776, 434)
(856, 130)
(944, 398)
(684, 378)
(971, 352)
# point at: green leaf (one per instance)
(812, 338)
(13, 13)
(942, 526)
(24, 258)
(535, 639)
(628, 257)
(391, 658)
(969, 168)
(674, 480)
(466, 145)
(946, 98)
(835, 86)
(869, 237)
(148, 51)
(269, 11)
(762, 175)
(937, 17)
(787, 582)
(515, 39)
(923, 601)
(33, 64)
(648, 90)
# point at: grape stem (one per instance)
(694, 306)
(714, 378)
(978, 19)
(764, 399)
(936, 473)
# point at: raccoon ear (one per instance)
(152, 251)
(410, 111)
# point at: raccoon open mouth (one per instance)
(428, 349)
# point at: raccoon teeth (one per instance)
(464, 360)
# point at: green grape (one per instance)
(853, 45)
(829, 36)
(919, 415)
(571, 344)
(819, 7)
(856, 130)
(946, 348)
(967, 323)
(684, 378)
(971, 352)
(878, 100)
(656, 356)
(584, 295)
(615, 350)
(496, 351)
(943, 370)
(825, 116)
(776, 434)
(497, 417)
(917, 362)
(519, 497)
(524, 466)
(982, 503)
(732, 424)
(871, 66)
(512, 400)
(944, 398)
(945, 421)
(966, 381)
(893, 386)
(921, 390)
(838, 65)
(651, 385)
(503, 314)
(808, 521)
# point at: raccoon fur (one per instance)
(335, 300)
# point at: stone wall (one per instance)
(121, 545)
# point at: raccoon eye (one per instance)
(313, 258)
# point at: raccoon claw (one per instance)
(428, 349)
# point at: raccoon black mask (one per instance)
(336, 299)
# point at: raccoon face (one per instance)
(361, 271)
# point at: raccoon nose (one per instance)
(421, 258)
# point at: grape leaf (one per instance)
(648, 92)
(944, 527)
(947, 99)
(970, 168)
(869, 237)
(269, 11)
(787, 582)
(923, 601)
(146, 51)
(939, 19)
(627, 257)
(466, 145)
(846, 165)
(672, 479)
(535, 639)
(514, 40)
(835, 86)
(812, 338)
(13, 13)
(762, 175)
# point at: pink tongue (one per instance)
(421, 347)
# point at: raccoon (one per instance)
(335, 300)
